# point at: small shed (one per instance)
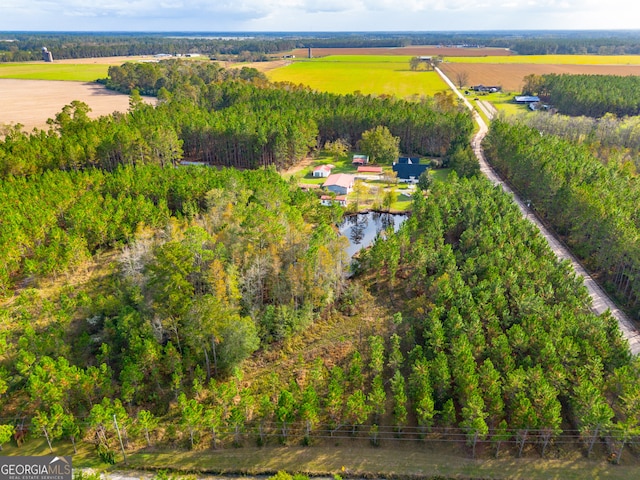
(486, 88)
(342, 200)
(322, 171)
(526, 99)
(370, 169)
(360, 159)
(328, 200)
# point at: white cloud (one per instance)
(333, 6)
(315, 15)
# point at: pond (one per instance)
(362, 228)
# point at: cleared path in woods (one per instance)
(600, 300)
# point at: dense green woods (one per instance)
(225, 122)
(209, 264)
(588, 95)
(495, 328)
(239, 265)
(593, 206)
(263, 115)
(81, 213)
(615, 141)
(149, 78)
(493, 341)
(197, 304)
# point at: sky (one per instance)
(316, 15)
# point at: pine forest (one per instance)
(208, 306)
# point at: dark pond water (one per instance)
(363, 228)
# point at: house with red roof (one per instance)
(339, 183)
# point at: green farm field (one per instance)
(76, 70)
(367, 74)
(54, 71)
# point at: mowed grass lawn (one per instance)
(367, 74)
(552, 59)
(54, 71)
(503, 101)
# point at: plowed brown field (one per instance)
(106, 60)
(32, 102)
(414, 50)
(510, 76)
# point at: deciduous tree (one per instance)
(380, 145)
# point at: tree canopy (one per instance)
(380, 145)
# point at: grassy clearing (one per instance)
(371, 198)
(85, 458)
(553, 59)
(357, 459)
(503, 102)
(343, 74)
(356, 456)
(54, 71)
(403, 201)
(441, 174)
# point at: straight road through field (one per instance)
(600, 300)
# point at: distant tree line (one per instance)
(588, 95)
(27, 46)
(257, 46)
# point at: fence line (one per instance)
(268, 432)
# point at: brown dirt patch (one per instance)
(412, 50)
(304, 163)
(105, 60)
(511, 76)
(32, 102)
(261, 66)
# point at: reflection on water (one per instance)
(363, 228)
